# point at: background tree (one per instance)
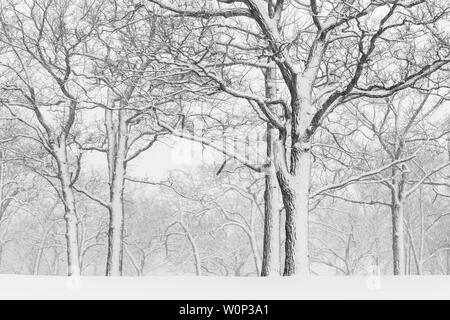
(42, 92)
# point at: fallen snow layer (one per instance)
(47, 287)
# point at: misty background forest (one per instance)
(224, 137)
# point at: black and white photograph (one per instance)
(224, 149)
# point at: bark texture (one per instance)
(70, 212)
(271, 246)
(117, 133)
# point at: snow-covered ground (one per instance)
(209, 288)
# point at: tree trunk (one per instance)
(70, 213)
(256, 253)
(397, 212)
(117, 152)
(272, 204)
(2, 182)
(37, 261)
(295, 190)
(271, 245)
(195, 252)
(448, 262)
(295, 184)
(295, 195)
(115, 232)
(398, 242)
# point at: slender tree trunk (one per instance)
(447, 256)
(448, 251)
(271, 246)
(37, 261)
(115, 232)
(3, 205)
(398, 220)
(398, 242)
(195, 252)
(2, 182)
(138, 268)
(70, 214)
(422, 234)
(117, 151)
(256, 253)
(5, 199)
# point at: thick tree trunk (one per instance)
(295, 194)
(295, 190)
(295, 184)
(398, 241)
(70, 214)
(272, 203)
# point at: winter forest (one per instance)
(225, 137)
